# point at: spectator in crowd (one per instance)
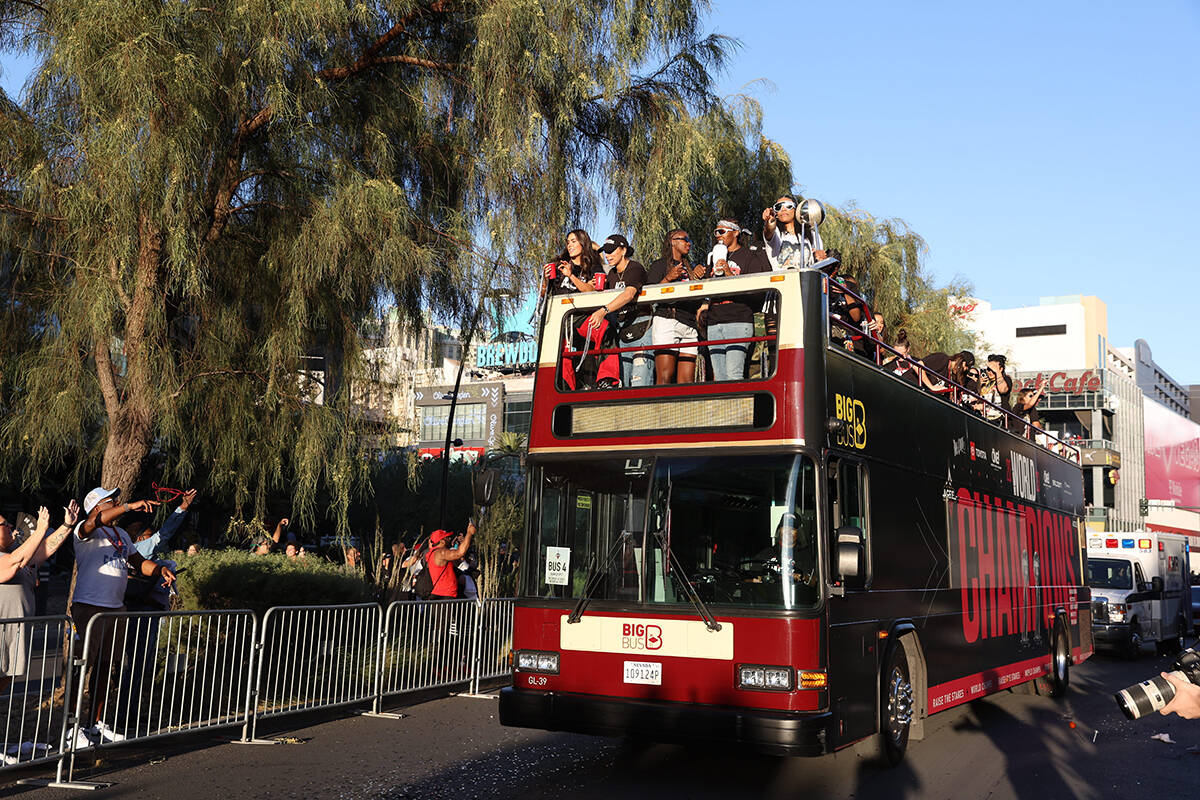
(411, 566)
(291, 551)
(18, 574)
(193, 549)
(675, 323)
(104, 555)
(637, 368)
(996, 386)
(576, 269)
(730, 319)
(855, 313)
(441, 561)
(148, 542)
(786, 247)
(266, 546)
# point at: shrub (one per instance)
(219, 579)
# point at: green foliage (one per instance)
(201, 202)
(231, 578)
(886, 257)
(500, 529)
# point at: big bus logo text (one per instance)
(1012, 563)
(854, 414)
(635, 636)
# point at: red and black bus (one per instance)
(810, 557)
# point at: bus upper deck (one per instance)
(585, 402)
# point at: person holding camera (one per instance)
(786, 247)
(637, 369)
(730, 319)
(1186, 702)
(995, 386)
(576, 269)
(675, 323)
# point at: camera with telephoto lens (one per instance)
(1149, 696)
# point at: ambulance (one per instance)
(1140, 592)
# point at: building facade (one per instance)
(1156, 383)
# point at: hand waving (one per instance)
(71, 514)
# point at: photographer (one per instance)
(1186, 702)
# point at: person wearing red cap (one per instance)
(441, 560)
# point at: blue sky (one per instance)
(1040, 148)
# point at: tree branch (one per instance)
(210, 373)
(107, 377)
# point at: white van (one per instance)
(1139, 583)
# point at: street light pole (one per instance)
(462, 362)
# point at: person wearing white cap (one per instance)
(104, 553)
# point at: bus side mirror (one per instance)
(483, 488)
(1156, 584)
(851, 556)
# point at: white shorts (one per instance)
(666, 330)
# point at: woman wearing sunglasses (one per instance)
(787, 248)
(730, 319)
(629, 276)
(675, 323)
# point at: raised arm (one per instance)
(103, 515)
(10, 563)
(49, 545)
(172, 523)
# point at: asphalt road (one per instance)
(1008, 745)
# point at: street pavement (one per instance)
(1005, 746)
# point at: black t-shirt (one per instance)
(635, 276)
(684, 311)
(750, 260)
(939, 363)
(903, 369)
(563, 285)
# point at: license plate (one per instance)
(647, 672)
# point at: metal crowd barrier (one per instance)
(32, 665)
(494, 640)
(145, 675)
(150, 674)
(315, 657)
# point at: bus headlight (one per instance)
(760, 677)
(537, 661)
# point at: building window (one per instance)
(517, 415)
(470, 422)
(1042, 330)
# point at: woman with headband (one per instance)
(730, 319)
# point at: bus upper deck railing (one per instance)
(956, 393)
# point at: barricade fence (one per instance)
(133, 676)
(33, 657)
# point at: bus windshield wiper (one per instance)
(664, 541)
(596, 574)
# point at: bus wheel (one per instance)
(1060, 661)
(897, 707)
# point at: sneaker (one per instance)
(86, 737)
(107, 734)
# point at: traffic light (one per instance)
(1143, 506)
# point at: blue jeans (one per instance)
(637, 368)
(729, 360)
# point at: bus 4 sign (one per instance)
(558, 565)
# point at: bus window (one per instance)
(848, 501)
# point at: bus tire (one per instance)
(896, 707)
(1060, 660)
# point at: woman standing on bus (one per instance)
(637, 368)
(786, 247)
(576, 268)
(675, 323)
(730, 319)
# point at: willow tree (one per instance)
(203, 199)
(887, 257)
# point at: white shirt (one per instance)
(787, 251)
(103, 561)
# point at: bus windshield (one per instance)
(1109, 573)
(742, 529)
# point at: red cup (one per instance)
(599, 280)
(550, 270)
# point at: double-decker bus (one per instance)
(816, 555)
